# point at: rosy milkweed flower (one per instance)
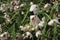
(51, 22)
(16, 8)
(56, 20)
(34, 8)
(27, 35)
(2, 7)
(38, 33)
(34, 19)
(41, 24)
(4, 36)
(43, 18)
(6, 16)
(47, 7)
(14, 3)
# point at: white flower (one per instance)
(27, 35)
(2, 7)
(51, 22)
(43, 18)
(34, 19)
(47, 6)
(57, 20)
(7, 17)
(34, 8)
(16, 8)
(41, 24)
(4, 36)
(54, 21)
(38, 33)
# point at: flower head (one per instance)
(47, 6)
(16, 8)
(27, 35)
(34, 8)
(14, 3)
(38, 33)
(51, 22)
(34, 19)
(4, 36)
(7, 17)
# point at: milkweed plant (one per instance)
(29, 19)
